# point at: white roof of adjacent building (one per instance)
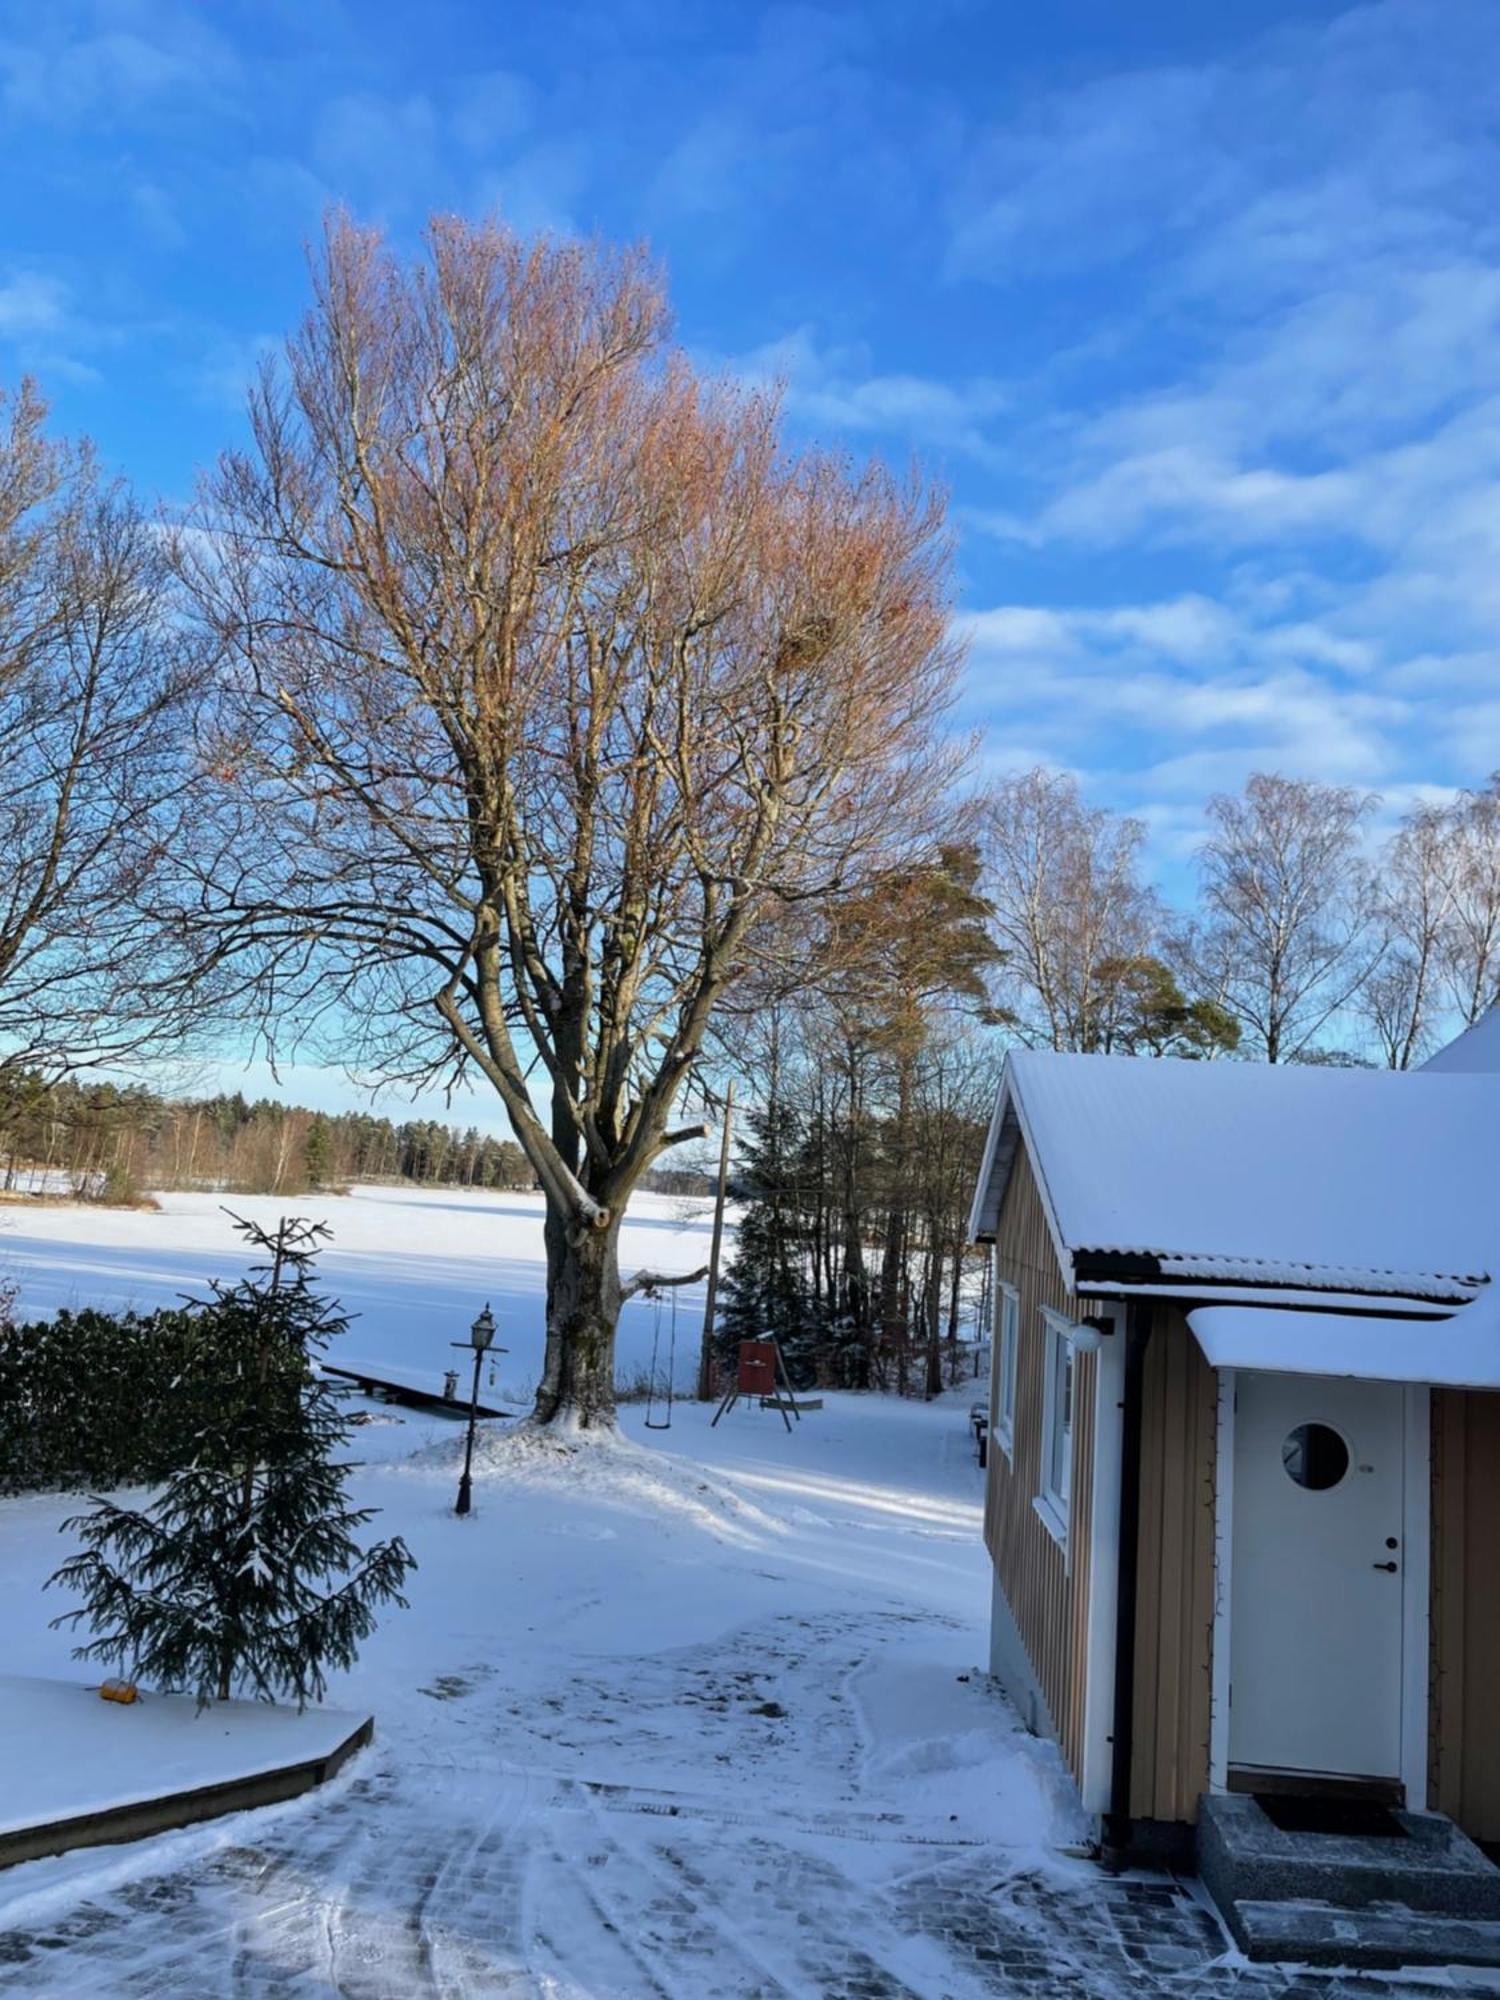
(1247, 1174)
(1477, 1049)
(1460, 1352)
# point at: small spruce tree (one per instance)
(243, 1573)
(766, 1295)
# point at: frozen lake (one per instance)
(412, 1265)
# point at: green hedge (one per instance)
(95, 1399)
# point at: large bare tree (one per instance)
(552, 672)
(97, 677)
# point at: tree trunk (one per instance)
(583, 1313)
(955, 1294)
(934, 1303)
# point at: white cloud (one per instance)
(79, 62)
(1298, 417)
(224, 372)
(32, 303)
(835, 389)
(366, 144)
(1093, 174)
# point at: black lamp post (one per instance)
(481, 1333)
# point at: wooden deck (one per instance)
(409, 1386)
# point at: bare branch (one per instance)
(655, 1281)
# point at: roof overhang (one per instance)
(1460, 1352)
(1376, 1305)
(1008, 1130)
(1000, 1144)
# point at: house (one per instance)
(1243, 1500)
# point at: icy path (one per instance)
(695, 1723)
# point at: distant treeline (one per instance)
(101, 1141)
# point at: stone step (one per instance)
(1383, 1937)
(1423, 1862)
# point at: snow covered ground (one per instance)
(414, 1265)
(691, 1715)
(695, 1715)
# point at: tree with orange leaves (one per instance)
(552, 672)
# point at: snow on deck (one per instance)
(65, 1752)
(414, 1265)
(1280, 1173)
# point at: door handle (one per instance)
(1388, 1566)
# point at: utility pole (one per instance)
(706, 1350)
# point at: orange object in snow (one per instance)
(124, 1691)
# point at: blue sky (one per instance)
(1193, 307)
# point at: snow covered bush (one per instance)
(243, 1574)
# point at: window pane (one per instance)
(1008, 1329)
(1315, 1456)
(1059, 1443)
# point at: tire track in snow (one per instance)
(687, 1908)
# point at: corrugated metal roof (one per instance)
(1345, 1180)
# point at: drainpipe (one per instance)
(1115, 1845)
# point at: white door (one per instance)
(1317, 1575)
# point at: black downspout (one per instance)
(1115, 1846)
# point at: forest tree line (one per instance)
(111, 1142)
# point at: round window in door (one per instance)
(1315, 1456)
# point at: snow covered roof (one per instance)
(1461, 1352)
(1161, 1172)
(1476, 1049)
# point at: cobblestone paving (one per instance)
(453, 1862)
(541, 1887)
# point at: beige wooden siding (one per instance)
(1047, 1593)
(1465, 1734)
(1174, 1608)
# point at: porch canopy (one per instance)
(1461, 1352)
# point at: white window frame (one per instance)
(1054, 1501)
(1006, 1362)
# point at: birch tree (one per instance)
(552, 671)
(1471, 931)
(1287, 938)
(1416, 899)
(1069, 907)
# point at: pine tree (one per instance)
(765, 1293)
(318, 1150)
(243, 1573)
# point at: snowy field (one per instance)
(412, 1265)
